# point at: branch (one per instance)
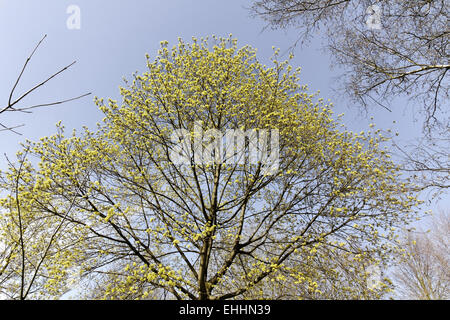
(12, 102)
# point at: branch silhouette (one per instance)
(12, 102)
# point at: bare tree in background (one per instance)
(424, 272)
(407, 54)
(13, 103)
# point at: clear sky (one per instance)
(111, 44)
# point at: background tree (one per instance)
(424, 271)
(408, 54)
(217, 229)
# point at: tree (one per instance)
(156, 208)
(423, 273)
(13, 103)
(407, 54)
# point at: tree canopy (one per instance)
(127, 221)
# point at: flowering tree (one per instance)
(139, 225)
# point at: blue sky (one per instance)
(112, 43)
